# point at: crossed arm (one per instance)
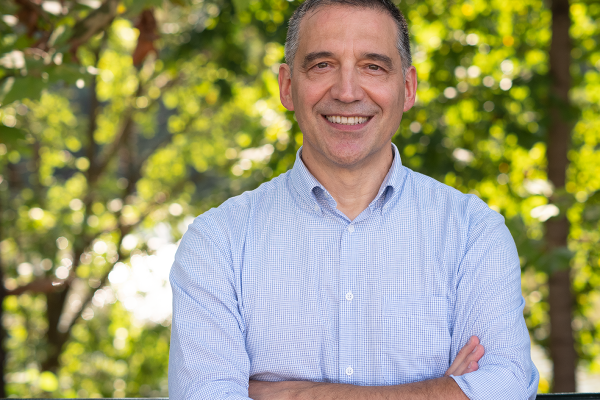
(439, 388)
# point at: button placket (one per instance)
(348, 317)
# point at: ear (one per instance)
(285, 86)
(410, 88)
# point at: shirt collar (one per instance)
(304, 182)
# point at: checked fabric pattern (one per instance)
(277, 284)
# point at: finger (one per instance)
(466, 350)
(473, 366)
(471, 360)
(462, 355)
(462, 367)
(476, 354)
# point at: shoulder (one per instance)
(475, 237)
(456, 223)
(440, 199)
(470, 238)
(249, 201)
(231, 219)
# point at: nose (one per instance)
(346, 87)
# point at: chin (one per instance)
(346, 158)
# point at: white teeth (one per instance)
(337, 119)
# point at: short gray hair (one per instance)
(402, 42)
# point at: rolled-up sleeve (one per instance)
(489, 305)
(208, 359)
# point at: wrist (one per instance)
(307, 390)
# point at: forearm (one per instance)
(439, 388)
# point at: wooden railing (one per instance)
(569, 396)
(551, 396)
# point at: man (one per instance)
(350, 276)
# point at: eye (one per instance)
(374, 67)
(322, 65)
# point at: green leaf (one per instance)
(60, 36)
(10, 135)
(21, 43)
(135, 7)
(25, 88)
(68, 73)
(240, 5)
(556, 260)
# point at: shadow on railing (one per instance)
(551, 396)
(569, 396)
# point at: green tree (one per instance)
(494, 118)
(112, 123)
(119, 118)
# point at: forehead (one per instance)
(336, 28)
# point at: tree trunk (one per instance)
(2, 295)
(562, 347)
(56, 302)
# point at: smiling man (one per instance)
(350, 276)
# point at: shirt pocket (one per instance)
(284, 331)
(415, 339)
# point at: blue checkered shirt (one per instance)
(277, 284)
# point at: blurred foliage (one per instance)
(112, 125)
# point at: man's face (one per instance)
(347, 88)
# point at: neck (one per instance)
(353, 188)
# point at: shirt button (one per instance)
(349, 371)
(317, 208)
(351, 228)
(349, 296)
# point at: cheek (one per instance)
(311, 92)
(390, 102)
(312, 96)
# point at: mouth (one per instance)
(347, 120)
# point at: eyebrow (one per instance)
(310, 57)
(382, 58)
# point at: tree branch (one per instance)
(43, 285)
(109, 152)
(96, 21)
(49, 285)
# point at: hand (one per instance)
(467, 358)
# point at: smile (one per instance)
(338, 119)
